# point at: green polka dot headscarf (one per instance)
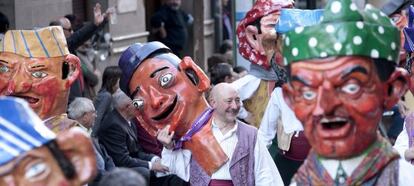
(344, 30)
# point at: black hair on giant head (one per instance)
(64, 163)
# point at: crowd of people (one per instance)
(308, 111)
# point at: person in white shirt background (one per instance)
(292, 146)
(231, 135)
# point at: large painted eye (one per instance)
(138, 103)
(39, 74)
(351, 88)
(35, 170)
(4, 69)
(166, 79)
(395, 18)
(309, 94)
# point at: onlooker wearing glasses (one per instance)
(76, 39)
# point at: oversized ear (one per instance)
(288, 94)
(396, 86)
(78, 148)
(73, 70)
(252, 36)
(195, 74)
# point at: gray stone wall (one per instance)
(27, 14)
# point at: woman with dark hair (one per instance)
(103, 101)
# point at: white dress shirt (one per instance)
(401, 144)
(276, 108)
(265, 170)
(228, 142)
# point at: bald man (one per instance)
(234, 137)
(226, 102)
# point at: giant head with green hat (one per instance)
(342, 76)
(31, 154)
(36, 65)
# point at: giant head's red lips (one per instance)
(29, 99)
(334, 127)
(167, 111)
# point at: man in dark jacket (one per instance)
(119, 137)
(169, 26)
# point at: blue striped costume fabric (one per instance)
(21, 130)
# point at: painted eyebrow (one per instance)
(135, 92)
(152, 75)
(2, 61)
(38, 66)
(347, 72)
(300, 79)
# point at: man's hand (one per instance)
(165, 137)
(158, 167)
(98, 16)
(409, 154)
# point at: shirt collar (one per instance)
(229, 133)
(349, 165)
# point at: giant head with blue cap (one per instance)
(163, 87)
(342, 76)
(31, 154)
(36, 65)
(168, 93)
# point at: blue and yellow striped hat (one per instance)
(44, 42)
(21, 130)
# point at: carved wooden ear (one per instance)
(78, 148)
(395, 87)
(74, 69)
(252, 37)
(195, 74)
